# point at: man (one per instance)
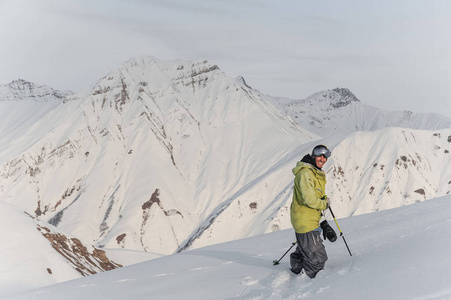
(309, 200)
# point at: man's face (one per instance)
(320, 161)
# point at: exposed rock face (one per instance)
(346, 97)
(77, 254)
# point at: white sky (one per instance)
(395, 55)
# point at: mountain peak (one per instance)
(338, 97)
(346, 95)
(20, 89)
(21, 82)
(241, 80)
(147, 62)
(148, 70)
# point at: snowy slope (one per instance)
(338, 111)
(22, 105)
(400, 253)
(35, 254)
(367, 172)
(378, 170)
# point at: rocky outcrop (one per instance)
(82, 260)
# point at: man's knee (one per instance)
(314, 253)
(296, 262)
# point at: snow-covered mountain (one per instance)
(339, 111)
(400, 253)
(155, 149)
(22, 90)
(163, 156)
(388, 168)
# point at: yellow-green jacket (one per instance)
(309, 188)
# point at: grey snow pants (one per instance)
(310, 253)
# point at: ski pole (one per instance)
(341, 233)
(276, 262)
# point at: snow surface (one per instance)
(25, 253)
(401, 253)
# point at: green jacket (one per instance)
(309, 188)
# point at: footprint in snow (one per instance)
(248, 281)
(285, 283)
(343, 272)
(280, 279)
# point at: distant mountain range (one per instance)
(339, 111)
(22, 90)
(162, 156)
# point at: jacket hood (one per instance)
(301, 165)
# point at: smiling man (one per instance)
(309, 200)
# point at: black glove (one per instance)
(328, 232)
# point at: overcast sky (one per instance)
(394, 55)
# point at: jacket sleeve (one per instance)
(308, 193)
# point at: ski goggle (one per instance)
(321, 151)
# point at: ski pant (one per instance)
(310, 253)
